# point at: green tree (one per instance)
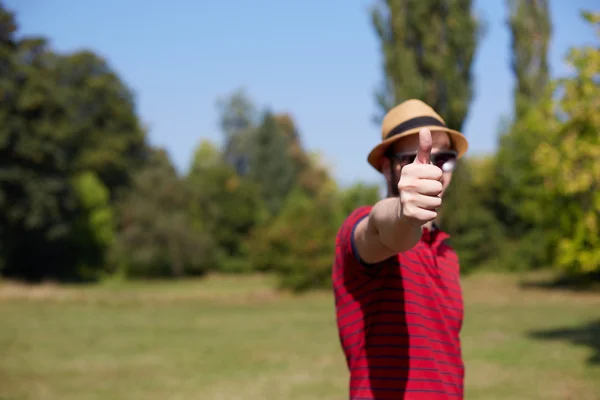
(37, 202)
(98, 128)
(272, 166)
(475, 232)
(568, 159)
(309, 206)
(359, 194)
(299, 242)
(224, 204)
(94, 229)
(238, 119)
(428, 48)
(530, 29)
(517, 188)
(61, 116)
(309, 171)
(157, 237)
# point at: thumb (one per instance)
(425, 145)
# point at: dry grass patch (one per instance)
(236, 338)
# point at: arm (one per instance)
(384, 233)
(394, 224)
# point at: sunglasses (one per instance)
(445, 160)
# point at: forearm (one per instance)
(394, 232)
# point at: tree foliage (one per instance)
(568, 160)
(94, 229)
(272, 166)
(517, 188)
(238, 119)
(225, 204)
(530, 28)
(61, 116)
(156, 236)
(428, 49)
(474, 231)
(84, 196)
(299, 242)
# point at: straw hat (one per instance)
(408, 118)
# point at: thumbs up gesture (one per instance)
(420, 185)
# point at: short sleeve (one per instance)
(347, 253)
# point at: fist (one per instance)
(420, 185)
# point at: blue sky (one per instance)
(318, 60)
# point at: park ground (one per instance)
(226, 338)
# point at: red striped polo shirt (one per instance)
(399, 320)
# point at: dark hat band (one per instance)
(416, 122)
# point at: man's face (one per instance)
(406, 148)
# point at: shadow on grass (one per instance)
(587, 284)
(583, 335)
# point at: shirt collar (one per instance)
(435, 235)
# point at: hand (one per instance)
(420, 185)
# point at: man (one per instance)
(396, 281)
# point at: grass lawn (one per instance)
(227, 338)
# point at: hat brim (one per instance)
(458, 140)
